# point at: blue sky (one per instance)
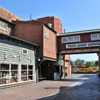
(74, 14)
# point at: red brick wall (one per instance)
(54, 21)
(68, 65)
(49, 45)
(83, 38)
(31, 32)
(58, 29)
(35, 32)
(47, 20)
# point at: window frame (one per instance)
(50, 25)
(98, 38)
(2, 28)
(46, 35)
(58, 23)
(23, 52)
(73, 39)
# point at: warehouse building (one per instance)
(17, 56)
(63, 60)
(43, 32)
(45, 37)
(17, 60)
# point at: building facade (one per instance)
(52, 22)
(56, 24)
(17, 60)
(17, 56)
(80, 39)
(8, 15)
(45, 37)
(6, 27)
(43, 32)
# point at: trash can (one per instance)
(56, 76)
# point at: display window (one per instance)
(14, 73)
(30, 72)
(26, 72)
(23, 72)
(10, 73)
(4, 74)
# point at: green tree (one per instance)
(79, 63)
(96, 63)
(89, 64)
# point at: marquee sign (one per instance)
(83, 45)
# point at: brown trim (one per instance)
(35, 21)
(50, 28)
(6, 21)
(48, 58)
(79, 32)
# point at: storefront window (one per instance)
(14, 73)
(9, 73)
(30, 72)
(24, 73)
(4, 74)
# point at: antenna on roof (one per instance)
(64, 31)
(30, 17)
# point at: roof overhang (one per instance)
(79, 32)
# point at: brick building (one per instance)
(56, 24)
(6, 19)
(6, 27)
(45, 37)
(42, 32)
(52, 22)
(17, 56)
(17, 61)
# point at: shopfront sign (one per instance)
(83, 45)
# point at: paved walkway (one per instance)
(32, 91)
(87, 87)
(48, 90)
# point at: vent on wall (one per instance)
(24, 51)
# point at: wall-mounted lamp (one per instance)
(19, 58)
(29, 58)
(14, 56)
(5, 55)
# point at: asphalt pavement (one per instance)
(76, 87)
(84, 87)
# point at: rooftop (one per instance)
(79, 32)
(18, 39)
(35, 21)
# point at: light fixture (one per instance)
(5, 55)
(14, 56)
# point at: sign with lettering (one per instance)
(83, 45)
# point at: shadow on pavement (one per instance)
(88, 90)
